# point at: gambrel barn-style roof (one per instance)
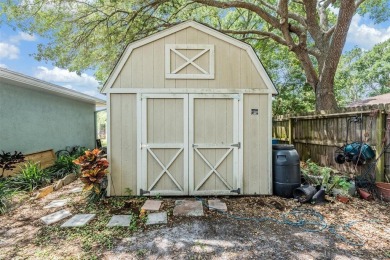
(142, 64)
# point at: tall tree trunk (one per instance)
(325, 98)
(324, 89)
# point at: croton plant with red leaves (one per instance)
(93, 169)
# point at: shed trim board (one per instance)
(108, 129)
(186, 91)
(241, 137)
(140, 123)
(270, 185)
(129, 49)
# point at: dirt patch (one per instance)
(258, 229)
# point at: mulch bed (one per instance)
(216, 235)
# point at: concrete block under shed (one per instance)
(188, 208)
(217, 205)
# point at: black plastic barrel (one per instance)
(285, 170)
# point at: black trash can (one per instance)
(285, 170)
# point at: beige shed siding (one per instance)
(145, 67)
(256, 137)
(123, 126)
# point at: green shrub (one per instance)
(30, 177)
(341, 183)
(63, 166)
(75, 151)
(5, 193)
(314, 169)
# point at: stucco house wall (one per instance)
(33, 119)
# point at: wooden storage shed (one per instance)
(189, 113)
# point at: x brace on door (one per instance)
(165, 169)
(213, 168)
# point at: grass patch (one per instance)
(5, 194)
(30, 177)
(95, 237)
(63, 166)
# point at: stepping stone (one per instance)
(55, 217)
(59, 184)
(56, 204)
(69, 178)
(188, 208)
(217, 205)
(45, 191)
(78, 220)
(120, 221)
(76, 190)
(157, 218)
(152, 205)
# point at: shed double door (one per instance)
(189, 144)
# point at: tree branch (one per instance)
(358, 3)
(239, 4)
(329, 32)
(325, 3)
(254, 38)
(314, 52)
(337, 43)
(273, 36)
(294, 16)
(284, 25)
(311, 18)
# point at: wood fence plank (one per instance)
(317, 136)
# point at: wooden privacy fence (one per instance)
(316, 136)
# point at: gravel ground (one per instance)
(214, 236)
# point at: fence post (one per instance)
(380, 166)
(290, 126)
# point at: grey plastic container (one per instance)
(285, 170)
